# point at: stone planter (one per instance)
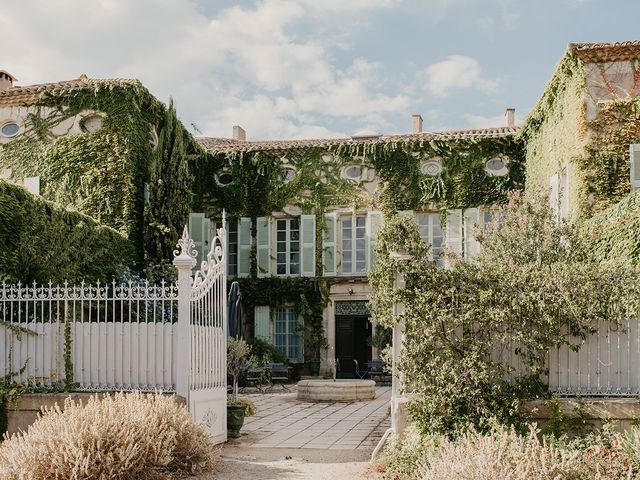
(235, 420)
(336, 391)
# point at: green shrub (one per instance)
(403, 454)
(265, 352)
(250, 408)
(42, 241)
(518, 297)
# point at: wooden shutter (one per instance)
(263, 246)
(374, 221)
(308, 245)
(471, 222)
(634, 158)
(261, 320)
(329, 242)
(198, 235)
(554, 194)
(244, 247)
(454, 232)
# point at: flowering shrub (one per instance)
(125, 436)
(467, 325)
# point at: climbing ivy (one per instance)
(309, 296)
(103, 173)
(44, 242)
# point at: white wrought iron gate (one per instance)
(202, 340)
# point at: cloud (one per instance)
(251, 65)
(454, 73)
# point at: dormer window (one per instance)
(496, 167)
(91, 123)
(10, 129)
(352, 172)
(224, 179)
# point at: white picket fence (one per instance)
(122, 336)
(126, 336)
(607, 362)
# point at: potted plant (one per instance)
(238, 359)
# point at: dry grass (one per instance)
(125, 436)
(505, 455)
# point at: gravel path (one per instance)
(240, 463)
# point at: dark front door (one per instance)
(352, 343)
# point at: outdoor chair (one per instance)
(279, 374)
(256, 377)
(377, 369)
(360, 373)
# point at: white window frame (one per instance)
(353, 249)
(293, 345)
(287, 242)
(426, 226)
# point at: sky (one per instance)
(313, 68)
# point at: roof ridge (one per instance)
(226, 144)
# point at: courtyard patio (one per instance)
(285, 422)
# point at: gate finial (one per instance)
(186, 246)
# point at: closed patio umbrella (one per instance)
(235, 310)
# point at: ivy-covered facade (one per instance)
(578, 136)
(104, 148)
(303, 218)
(303, 214)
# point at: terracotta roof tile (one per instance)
(231, 145)
(31, 94)
(606, 52)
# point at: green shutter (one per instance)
(374, 222)
(329, 244)
(308, 245)
(261, 317)
(196, 232)
(634, 159)
(263, 246)
(471, 222)
(244, 247)
(454, 232)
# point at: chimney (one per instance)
(239, 133)
(510, 117)
(6, 80)
(416, 119)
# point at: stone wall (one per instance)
(25, 410)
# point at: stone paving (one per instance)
(284, 422)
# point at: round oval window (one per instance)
(354, 172)
(288, 175)
(496, 167)
(91, 123)
(10, 129)
(225, 179)
(431, 168)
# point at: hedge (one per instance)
(41, 241)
